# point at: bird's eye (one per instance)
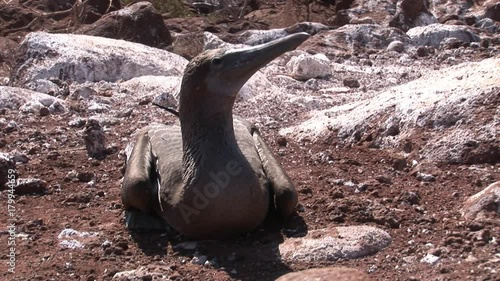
(216, 61)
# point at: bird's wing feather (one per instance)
(166, 147)
(286, 197)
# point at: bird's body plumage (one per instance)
(213, 176)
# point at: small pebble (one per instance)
(351, 83)
(422, 51)
(430, 259)
(425, 177)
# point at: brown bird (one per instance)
(213, 176)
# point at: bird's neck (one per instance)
(206, 140)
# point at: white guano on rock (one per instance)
(331, 244)
(441, 103)
(80, 58)
(28, 101)
(432, 35)
(305, 66)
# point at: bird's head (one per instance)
(213, 79)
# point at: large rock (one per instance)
(434, 34)
(305, 66)
(488, 25)
(412, 13)
(446, 105)
(326, 274)
(144, 87)
(488, 200)
(138, 23)
(81, 58)
(335, 243)
(29, 101)
(492, 10)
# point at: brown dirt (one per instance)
(392, 206)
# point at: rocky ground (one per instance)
(386, 119)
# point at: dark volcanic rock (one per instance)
(435, 34)
(48, 5)
(342, 18)
(97, 8)
(13, 17)
(411, 13)
(351, 83)
(30, 186)
(137, 23)
(422, 51)
(492, 10)
(343, 4)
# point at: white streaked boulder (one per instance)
(81, 58)
(29, 101)
(432, 35)
(306, 66)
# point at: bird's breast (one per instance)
(227, 197)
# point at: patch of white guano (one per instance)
(433, 34)
(74, 239)
(444, 101)
(29, 101)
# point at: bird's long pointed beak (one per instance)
(245, 62)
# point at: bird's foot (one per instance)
(137, 220)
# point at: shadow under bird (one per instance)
(213, 176)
